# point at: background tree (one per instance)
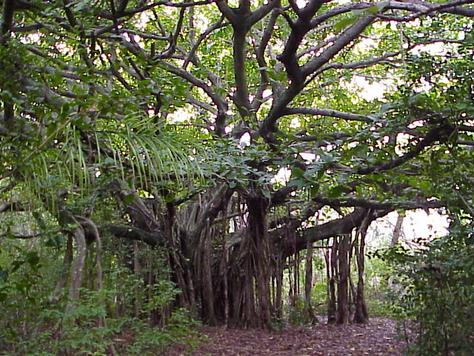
(166, 123)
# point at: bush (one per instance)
(435, 291)
(180, 329)
(32, 324)
(377, 289)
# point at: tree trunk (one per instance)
(361, 314)
(206, 279)
(397, 230)
(226, 285)
(136, 271)
(186, 298)
(251, 269)
(308, 284)
(331, 269)
(342, 314)
(260, 254)
(296, 272)
(279, 288)
(77, 266)
(68, 255)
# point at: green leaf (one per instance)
(33, 259)
(128, 199)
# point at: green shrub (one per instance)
(180, 329)
(33, 324)
(377, 290)
(435, 292)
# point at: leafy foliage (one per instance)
(32, 321)
(126, 123)
(434, 289)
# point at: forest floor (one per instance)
(378, 337)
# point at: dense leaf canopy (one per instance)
(361, 102)
(256, 126)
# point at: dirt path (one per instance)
(377, 338)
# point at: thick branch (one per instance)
(297, 75)
(260, 56)
(11, 206)
(136, 234)
(327, 112)
(330, 229)
(342, 41)
(432, 136)
(226, 11)
(7, 19)
(216, 99)
(373, 204)
(241, 88)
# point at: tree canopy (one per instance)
(234, 134)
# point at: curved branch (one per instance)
(330, 229)
(263, 11)
(90, 228)
(326, 112)
(217, 25)
(11, 206)
(216, 99)
(224, 8)
(431, 137)
(136, 234)
(342, 41)
(425, 8)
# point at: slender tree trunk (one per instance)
(291, 285)
(279, 288)
(273, 291)
(296, 272)
(308, 283)
(206, 279)
(136, 272)
(182, 279)
(361, 314)
(342, 315)
(226, 286)
(77, 266)
(331, 270)
(351, 287)
(397, 230)
(91, 228)
(68, 255)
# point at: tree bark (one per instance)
(342, 314)
(308, 284)
(260, 257)
(206, 279)
(77, 266)
(361, 314)
(397, 230)
(279, 288)
(68, 256)
(250, 268)
(331, 271)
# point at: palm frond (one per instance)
(135, 150)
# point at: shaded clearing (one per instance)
(378, 337)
